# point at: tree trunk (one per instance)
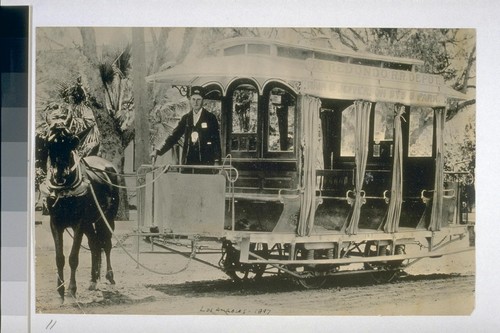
(160, 47)
(141, 104)
(189, 34)
(110, 147)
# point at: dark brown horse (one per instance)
(74, 186)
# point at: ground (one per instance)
(167, 284)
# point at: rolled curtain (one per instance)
(362, 117)
(391, 223)
(311, 144)
(437, 201)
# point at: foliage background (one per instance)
(65, 53)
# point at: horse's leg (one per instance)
(107, 250)
(104, 231)
(73, 258)
(95, 252)
(57, 235)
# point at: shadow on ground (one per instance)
(278, 284)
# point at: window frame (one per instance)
(262, 136)
(432, 125)
(266, 99)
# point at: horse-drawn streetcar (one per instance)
(334, 164)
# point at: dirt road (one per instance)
(442, 286)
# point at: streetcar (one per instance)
(334, 164)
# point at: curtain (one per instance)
(394, 210)
(437, 202)
(362, 110)
(311, 146)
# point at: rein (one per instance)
(108, 181)
(194, 249)
(230, 172)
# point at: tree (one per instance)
(142, 107)
(450, 53)
(107, 113)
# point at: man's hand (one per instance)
(153, 156)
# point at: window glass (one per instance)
(348, 132)
(421, 132)
(214, 106)
(281, 121)
(290, 52)
(384, 122)
(244, 134)
(259, 49)
(330, 57)
(234, 50)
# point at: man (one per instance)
(201, 134)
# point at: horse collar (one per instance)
(79, 186)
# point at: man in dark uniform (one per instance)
(200, 129)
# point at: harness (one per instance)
(79, 187)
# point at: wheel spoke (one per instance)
(244, 272)
(383, 272)
(317, 280)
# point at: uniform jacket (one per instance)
(203, 147)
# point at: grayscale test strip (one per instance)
(14, 35)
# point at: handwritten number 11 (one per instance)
(51, 324)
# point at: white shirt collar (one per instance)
(196, 117)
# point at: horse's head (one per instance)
(61, 145)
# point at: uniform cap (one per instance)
(197, 91)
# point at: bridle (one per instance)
(75, 167)
(59, 137)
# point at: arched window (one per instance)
(281, 124)
(245, 100)
(261, 126)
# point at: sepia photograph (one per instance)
(254, 171)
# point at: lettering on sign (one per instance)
(372, 93)
(322, 68)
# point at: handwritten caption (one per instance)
(51, 324)
(235, 311)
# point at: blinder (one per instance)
(61, 135)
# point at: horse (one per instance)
(80, 192)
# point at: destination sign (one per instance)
(372, 93)
(348, 81)
(322, 67)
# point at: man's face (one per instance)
(196, 102)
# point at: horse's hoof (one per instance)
(93, 286)
(72, 289)
(61, 291)
(110, 277)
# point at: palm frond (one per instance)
(122, 62)
(107, 73)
